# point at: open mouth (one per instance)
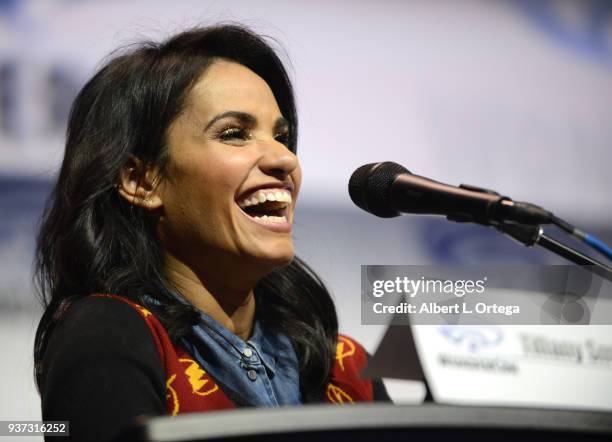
(270, 206)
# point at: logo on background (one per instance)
(472, 338)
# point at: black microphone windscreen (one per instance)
(370, 187)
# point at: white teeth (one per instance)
(263, 196)
(272, 219)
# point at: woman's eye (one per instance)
(282, 138)
(234, 133)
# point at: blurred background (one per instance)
(512, 95)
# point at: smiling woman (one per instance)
(165, 257)
(229, 158)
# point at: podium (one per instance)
(378, 423)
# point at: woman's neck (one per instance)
(233, 308)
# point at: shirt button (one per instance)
(247, 352)
(252, 374)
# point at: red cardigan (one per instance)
(190, 389)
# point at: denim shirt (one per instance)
(261, 372)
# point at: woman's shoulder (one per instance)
(351, 362)
(101, 307)
(101, 367)
(104, 326)
(99, 317)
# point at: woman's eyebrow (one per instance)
(243, 117)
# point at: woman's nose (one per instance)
(277, 160)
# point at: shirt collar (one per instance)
(237, 347)
(265, 343)
(263, 346)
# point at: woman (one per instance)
(165, 257)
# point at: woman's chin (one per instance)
(273, 257)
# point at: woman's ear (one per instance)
(139, 184)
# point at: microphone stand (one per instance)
(531, 235)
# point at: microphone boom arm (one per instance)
(530, 235)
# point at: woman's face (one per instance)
(229, 193)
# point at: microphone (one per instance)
(387, 189)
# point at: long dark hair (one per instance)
(92, 241)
